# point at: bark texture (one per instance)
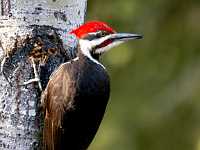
(31, 31)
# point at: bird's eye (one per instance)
(103, 33)
(95, 35)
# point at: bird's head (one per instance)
(97, 37)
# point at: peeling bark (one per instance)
(31, 30)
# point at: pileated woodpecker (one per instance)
(77, 93)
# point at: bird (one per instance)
(77, 92)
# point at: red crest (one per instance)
(92, 26)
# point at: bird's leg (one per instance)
(37, 78)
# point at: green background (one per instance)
(155, 82)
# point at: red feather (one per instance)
(92, 26)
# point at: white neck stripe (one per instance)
(85, 47)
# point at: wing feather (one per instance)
(55, 99)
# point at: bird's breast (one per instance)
(93, 82)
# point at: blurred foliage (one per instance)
(155, 98)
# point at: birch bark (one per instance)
(27, 28)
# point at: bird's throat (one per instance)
(85, 51)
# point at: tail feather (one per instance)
(51, 134)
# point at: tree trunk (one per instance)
(33, 33)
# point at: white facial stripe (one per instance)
(86, 47)
(106, 48)
(96, 42)
(99, 41)
(94, 33)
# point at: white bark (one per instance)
(19, 118)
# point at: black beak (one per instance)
(125, 36)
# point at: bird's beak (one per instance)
(124, 36)
(104, 44)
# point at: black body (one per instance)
(75, 101)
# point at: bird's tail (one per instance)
(51, 134)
